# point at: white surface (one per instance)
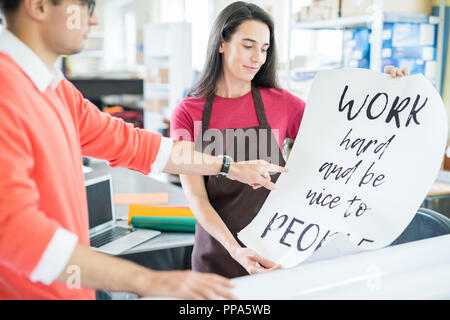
(415, 270)
(407, 167)
(166, 240)
(86, 169)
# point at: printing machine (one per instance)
(414, 270)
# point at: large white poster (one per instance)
(368, 150)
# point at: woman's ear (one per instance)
(222, 43)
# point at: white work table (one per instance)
(128, 181)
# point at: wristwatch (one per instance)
(225, 167)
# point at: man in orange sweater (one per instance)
(46, 127)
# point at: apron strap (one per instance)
(259, 106)
(207, 110)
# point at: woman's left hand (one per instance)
(251, 261)
(396, 72)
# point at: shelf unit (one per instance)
(167, 46)
(373, 21)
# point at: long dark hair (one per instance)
(226, 24)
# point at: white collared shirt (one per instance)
(29, 62)
(61, 246)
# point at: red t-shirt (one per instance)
(284, 112)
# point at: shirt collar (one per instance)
(29, 62)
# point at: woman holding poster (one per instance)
(237, 110)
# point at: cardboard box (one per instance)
(386, 52)
(319, 10)
(387, 31)
(363, 7)
(361, 37)
(358, 47)
(163, 75)
(140, 46)
(424, 53)
(360, 63)
(431, 69)
(413, 35)
(158, 75)
(156, 105)
(408, 6)
(387, 35)
(415, 66)
(388, 62)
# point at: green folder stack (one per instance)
(161, 218)
(185, 224)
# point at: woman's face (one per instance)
(246, 52)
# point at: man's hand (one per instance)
(104, 272)
(396, 72)
(251, 261)
(185, 160)
(255, 173)
(186, 285)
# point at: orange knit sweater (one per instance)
(43, 137)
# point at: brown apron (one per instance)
(235, 202)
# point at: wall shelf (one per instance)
(92, 88)
(375, 22)
(364, 21)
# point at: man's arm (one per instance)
(109, 138)
(100, 271)
(184, 159)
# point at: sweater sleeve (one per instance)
(25, 230)
(295, 107)
(105, 137)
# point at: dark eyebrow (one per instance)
(254, 41)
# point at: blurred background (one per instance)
(144, 55)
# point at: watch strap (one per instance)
(226, 162)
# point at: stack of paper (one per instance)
(141, 198)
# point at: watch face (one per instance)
(221, 175)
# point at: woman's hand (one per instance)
(396, 72)
(251, 261)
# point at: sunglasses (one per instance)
(91, 7)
